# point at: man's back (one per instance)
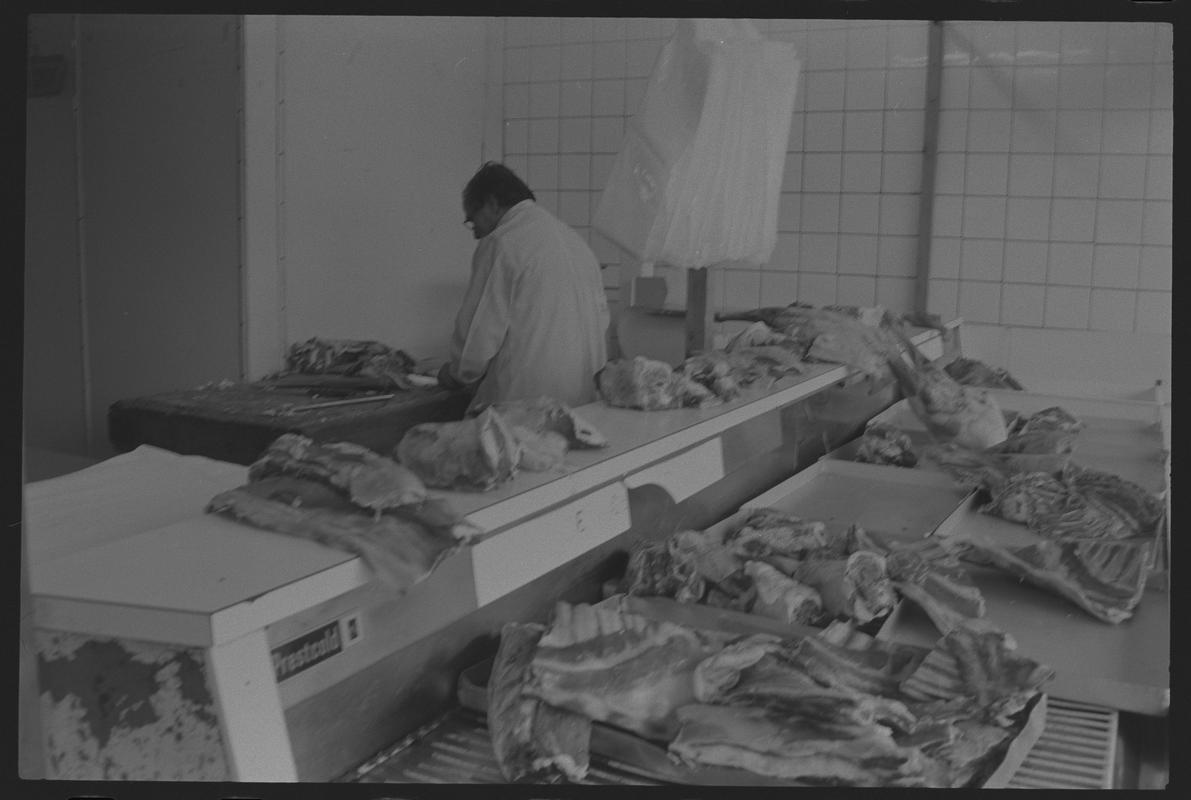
(558, 313)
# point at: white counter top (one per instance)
(134, 548)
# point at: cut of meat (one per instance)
(884, 444)
(1105, 578)
(474, 454)
(371, 480)
(755, 672)
(1027, 495)
(705, 551)
(361, 358)
(789, 747)
(1053, 418)
(772, 531)
(540, 451)
(545, 414)
(866, 583)
(653, 571)
(718, 673)
(649, 385)
(1038, 441)
(781, 597)
(1100, 505)
(399, 548)
(878, 669)
(971, 372)
(951, 412)
(978, 663)
(531, 740)
(618, 667)
(930, 576)
(856, 587)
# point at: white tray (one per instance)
(891, 501)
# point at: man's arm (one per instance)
(483, 319)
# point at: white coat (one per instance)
(534, 317)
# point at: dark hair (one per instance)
(497, 181)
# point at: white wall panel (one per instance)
(383, 126)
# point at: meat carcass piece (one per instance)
(1050, 419)
(878, 669)
(979, 663)
(931, 577)
(771, 530)
(971, 372)
(1019, 491)
(753, 672)
(540, 452)
(1106, 578)
(351, 357)
(649, 385)
(371, 480)
(545, 414)
(760, 334)
(950, 412)
(781, 597)
(706, 552)
(724, 378)
(792, 748)
(397, 546)
(857, 587)
(884, 444)
(778, 353)
(825, 334)
(654, 571)
(618, 667)
(778, 360)
(476, 454)
(531, 740)
(1100, 505)
(1039, 442)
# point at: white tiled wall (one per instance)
(1053, 198)
(848, 212)
(1053, 188)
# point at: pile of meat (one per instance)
(489, 448)
(704, 379)
(833, 708)
(851, 335)
(1097, 532)
(347, 497)
(351, 358)
(774, 564)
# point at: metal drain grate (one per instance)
(456, 749)
(1077, 749)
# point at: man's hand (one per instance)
(447, 380)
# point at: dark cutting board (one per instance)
(235, 422)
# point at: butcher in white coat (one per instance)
(534, 318)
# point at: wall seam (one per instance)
(930, 152)
(279, 184)
(80, 230)
(241, 175)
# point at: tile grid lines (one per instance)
(877, 272)
(1148, 174)
(1148, 166)
(1013, 77)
